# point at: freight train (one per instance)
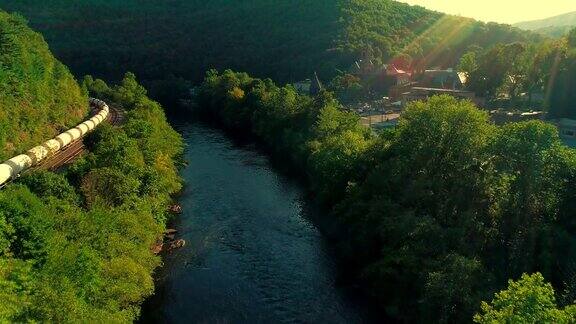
(12, 168)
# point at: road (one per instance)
(75, 149)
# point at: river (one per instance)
(252, 254)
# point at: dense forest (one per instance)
(539, 75)
(438, 213)
(38, 95)
(165, 42)
(76, 246)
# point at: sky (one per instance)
(502, 11)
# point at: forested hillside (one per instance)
(286, 40)
(557, 26)
(38, 95)
(437, 213)
(568, 19)
(76, 247)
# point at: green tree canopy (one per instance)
(528, 300)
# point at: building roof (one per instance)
(424, 89)
(447, 79)
(391, 69)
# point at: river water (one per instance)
(252, 255)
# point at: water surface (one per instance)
(252, 255)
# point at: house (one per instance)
(567, 130)
(399, 76)
(310, 87)
(302, 87)
(422, 94)
(441, 79)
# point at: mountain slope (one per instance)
(38, 95)
(568, 19)
(286, 40)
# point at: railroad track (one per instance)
(75, 149)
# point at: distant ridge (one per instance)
(564, 20)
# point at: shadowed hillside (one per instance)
(285, 40)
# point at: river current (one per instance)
(252, 253)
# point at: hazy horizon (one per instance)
(508, 12)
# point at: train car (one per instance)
(75, 133)
(6, 173)
(83, 129)
(52, 146)
(102, 116)
(64, 139)
(19, 163)
(13, 167)
(91, 124)
(37, 154)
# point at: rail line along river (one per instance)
(251, 254)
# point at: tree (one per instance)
(528, 300)
(468, 63)
(572, 38)
(500, 68)
(47, 184)
(109, 187)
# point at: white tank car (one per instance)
(95, 120)
(91, 124)
(64, 139)
(13, 167)
(101, 116)
(19, 163)
(75, 133)
(6, 173)
(37, 154)
(52, 146)
(83, 128)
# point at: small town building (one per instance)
(441, 79)
(399, 76)
(567, 127)
(310, 87)
(422, 94)
(303, 87)
(567, 130)
(501, 117)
